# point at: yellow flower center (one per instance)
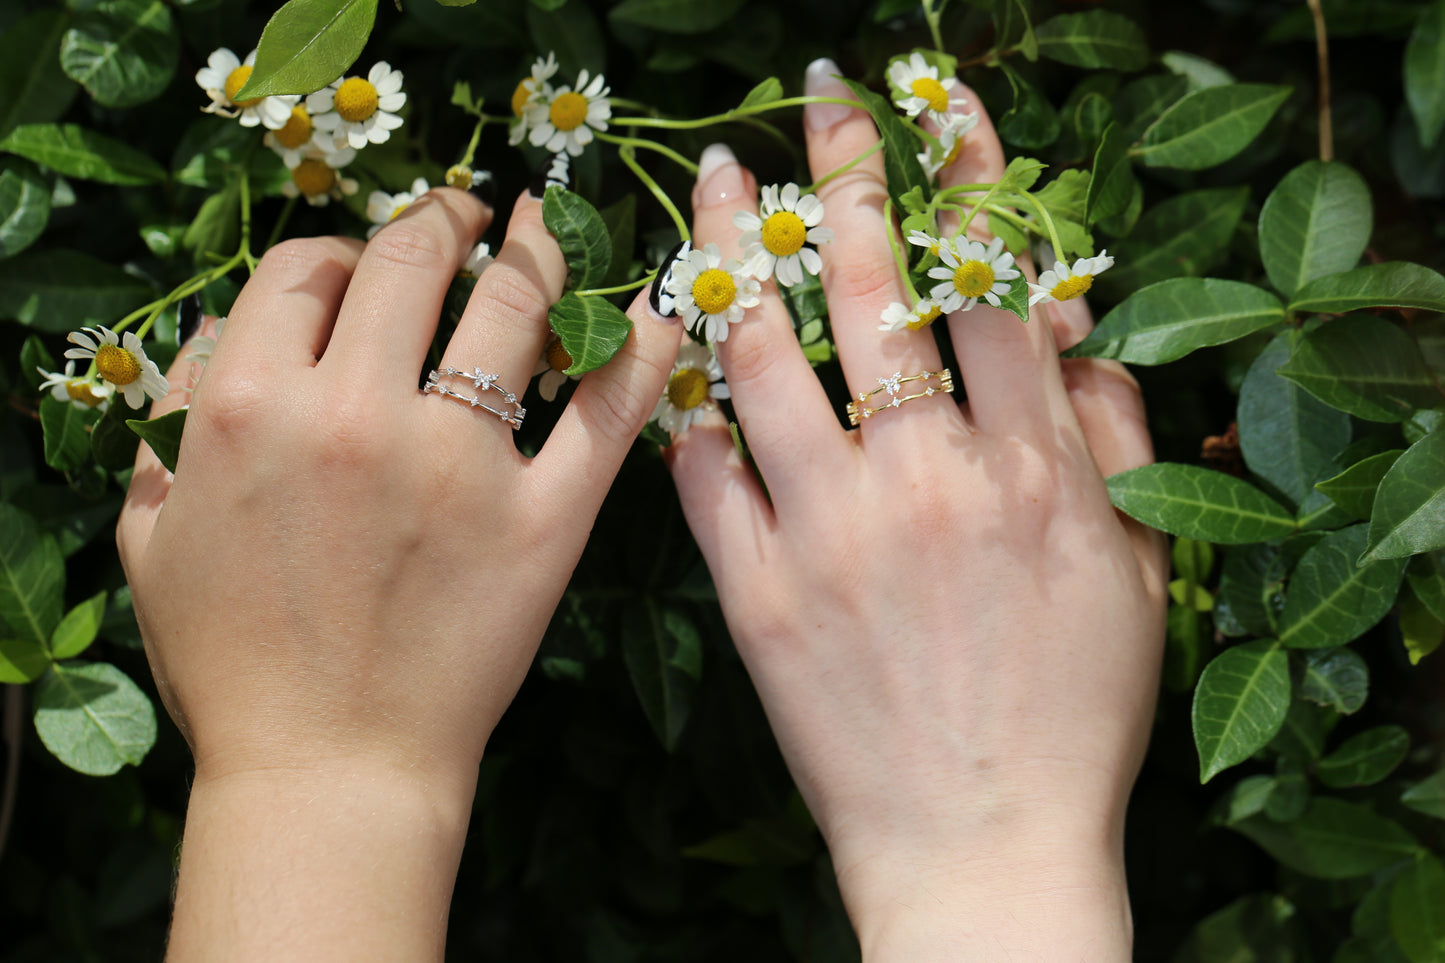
(520, 96)
(973, 278)
(568, 111)
(714, 290)
(355, 99)
(687, 389)
(84, 392)
(297, 130)
(1072, 287)
(313, 178)
(235, 82)
(459, 176)
(932, 91)
(557, 356)
(116, 365)
(784, 233)
(923, 320)
(953, 151)
(397, 210)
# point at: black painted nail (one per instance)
(657, 296)
(189, 316)
(555, 170)
(484, 185)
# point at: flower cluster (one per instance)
(119, 366)
(559, 119)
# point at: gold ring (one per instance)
(892, 385)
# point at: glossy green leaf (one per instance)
(1141, 101)
(1185, 235)
(307, 44)
(60, 290)
(216, 229)
(1243, 799)
(764, 93)
(93, 718)
(1032, 122)
(676, 16)
(1316, 222)
(1249, 595)
(1287, 436)
(1354, 488)
(33, 88)
(1112, 183)
(1409, 510)
(1199, 71)
(592, 330)
(123, 52)
(650, 645)
(1426, 574)
(74, 151)
(1392, 284)
(1185, 635)
(1291, 794)
(1198, 503)
(1301, 739)
(1168, 320)
(163, 434)
(1093, 39)
(1209, 126)
(1192, 560)
(582, 235)
(1239, 704)
(1421, 422)
(78, 628)
(1370, 923)
(1417, 910)
(67, 432)
(112, 444)
(1364, 759)
(1421, 631)
(1427, 795)
(21, 660)
(900, 148)
(1330, 599)
(24, 205)
(1332, 840)
(1425, 73)
(1013, 28)
(211, 155)
(1337, 677)
(1259, 928)
(1364, 365)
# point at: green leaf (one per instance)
(1112, 183)
(216, 229)
(61, 290)
(1425, 73)
(163, 434)
(1420, 630)
(21, 660)
(112, 444)
(1094, 39)
(1032, 122)
(764, 93)
(900, 148)
(1364, 365)
(1337, 677)
(676, 16)
(67, 432)
(1330, 599)
(592, 330)
(1199, 71)
(74, 151)
(1301, 739)
(1408, 516)
(1243, 799)
(24, 205)
(1168, 320)
(1315, 223)
(93, 718)
(1184, 235)
(1184, 642)
(650, 644)
(1427, 795)
(1364, 759)
(1427, 580)
(307, 44)
(1260, 928)
(1416, 918)
(582, 235)
(1192, 560)
(123, 52)
(1332, 840)
(1287, 437)
(1013, 29)
(1209, 126)
(1198, 503)
(1392, 284)
(1354, 488)
(33, 88)
(575, 36)
(78, 628)
(1239, 704)
(1141, 101)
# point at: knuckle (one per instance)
(300, 257)
(512, 294)
(619, 406)
(231, 402)
(749, 354)
(407, 244)
(870, 280)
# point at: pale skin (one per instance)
(955, 637)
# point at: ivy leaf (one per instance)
(1354, 488)
(900, 148)
(1187, 234)
(1168, 320)
(74, 151)
(24, 205)
(1333, 839)
(1315, 223)
(1393, 284)
(1338, 678)
(1112, 183)
(1427, 795)
(1239, 704)
(163, 434)
(123, 52)
(1209, 126)
(1425, 73)
(1198, 503)
(582, 235)
(67, 432)
(307, 44)
(1331, 599)
(676, 16)
(33, 88)
(592, 330)
(1364, 365)
(1094, 39)
(1364, 759)
(78, 628)
(1408, 516)
(93, 718)
(21, 660)
(652, 639)
(764, 93)
(1416, 921)
(1032, 122)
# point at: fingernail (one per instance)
(188, 318)
(821, 80)
(484, 186)
(556, 170)
(659, 301)
(719, 178)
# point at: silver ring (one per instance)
(484, 383)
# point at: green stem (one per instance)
(737, 113)
(281, 222)
(1043, 213)
(641, 282)
(626, 152)
(839, 171)
(245, 250)
(652, 145)
(471, 151)
(933, 17)
(899, 258)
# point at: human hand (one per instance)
(955, 636)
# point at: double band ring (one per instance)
(483, 382)
(859, 409)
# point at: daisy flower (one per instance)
(657, 295)
(919, 88)
(970, 271)
(1063, 282)
(566, 120)
(531, 89)
(710, 293)
(552, 366)
(694, 387)
(296, 138)
(897, 316)
(203, 346)
(783, 238)
(82, 392)
(555, 171)
(359, 110)
(951, 129)
(224, 75)
(478, 261)
(316, 178)
(121, 362)
(382, 208)
(933, 245)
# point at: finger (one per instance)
(1071, 321)
(286, 311)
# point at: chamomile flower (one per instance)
(359, 110)
(694, 388)
(783, 237)
(552, 366)
(919, 88)
(897, 316)
(382, 208)
(478, 261)
(317, 177)
(567, 119)
(81, 392)
(121, 362)
(1064, 282)
(224, 75)
(951, 129)
(711, 293)
(972, 270)
(293, 140)
(933, 245)
(530, 90)
(204, 345)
